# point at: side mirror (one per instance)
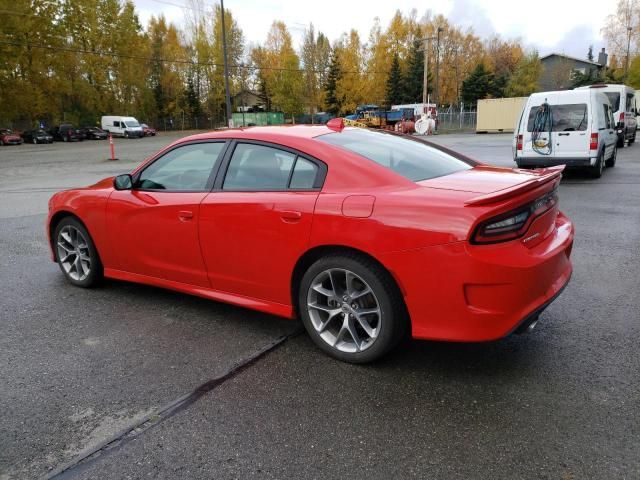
(123, 182)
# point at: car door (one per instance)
(153, 228)
(257, 222)
(608, 132)
(571, 130)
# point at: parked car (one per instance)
(571, 127)
(364, 235)
(65, 133)
(37, 136)
(127, 127)
(625, 110)
(147, 130)
(8, 137)
(94, 133)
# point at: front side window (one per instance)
(569, 117)
(412, 159)
(614, 100)
(258, 167)
(184, 168)
(116, 123)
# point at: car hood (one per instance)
(480, 179)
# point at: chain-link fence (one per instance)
(452, 118)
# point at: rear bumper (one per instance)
(463, 292)
(553, 161)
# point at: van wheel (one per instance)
(620, 143)
(632, 139)
(612, 160)
(596, 170)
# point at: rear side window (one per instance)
(565, 118)
(630, 102)
(257, 167)
(410, 158)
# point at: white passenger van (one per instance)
(623, 102)
(122, 126)
(573, 127)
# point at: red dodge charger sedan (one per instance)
(363, 235)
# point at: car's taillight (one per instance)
(513, 224)
(519, 143)
(593, 144)
(621, 117)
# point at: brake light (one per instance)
(513, 224)
(593, 145)
(621, 117)
(519, 144)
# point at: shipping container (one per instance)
(499, 114)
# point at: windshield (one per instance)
(614, 100)
(410, 158)
(5, 131)
(131, 123)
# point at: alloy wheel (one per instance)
(344, 310)
(73, 253)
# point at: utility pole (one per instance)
(626, 66)
(436, 96)
(425, 79)
(226, 69)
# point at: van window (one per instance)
(614, 100)
(116, 123)
(566, 118)
(606, 118)
(630, 102)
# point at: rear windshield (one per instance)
(614, 100)
(565, 118)
(412, 159)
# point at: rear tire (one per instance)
(620, 143)
(612, 160)
(351, 308)
(632, 140)
(596, 170)
(76, 253)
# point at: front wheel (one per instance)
(351, 308)
(76, 253)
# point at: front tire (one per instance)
(76, 253)
(351, 308)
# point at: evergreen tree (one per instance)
(263, 93)
(332, 102)
(477, 85)
(414, 78)
(394, 92)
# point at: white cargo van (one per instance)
(623, 102)
(127, 127)
(573, 127)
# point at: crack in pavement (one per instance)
(158, 416)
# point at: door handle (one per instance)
(563, 134)
(290, 215)
(185, 215)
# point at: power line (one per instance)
(163, 60)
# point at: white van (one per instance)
(573, 127)
(127, 127)
(625, 110)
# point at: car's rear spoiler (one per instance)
(538, 178)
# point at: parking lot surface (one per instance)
(80, 368)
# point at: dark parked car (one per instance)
(37, 136)
(147, 130)
(7, 137)
(65, 133)
(94, 133)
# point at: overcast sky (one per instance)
(567, 26)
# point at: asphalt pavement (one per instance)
(129, 381)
